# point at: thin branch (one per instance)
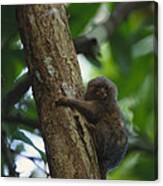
(141, 143)
(138, 147)
(121, 13)
(7, 155)
(16, 93)
(20, 119)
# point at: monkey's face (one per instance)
(101, 89)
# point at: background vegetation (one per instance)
(127, 56)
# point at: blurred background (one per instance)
(115, 40)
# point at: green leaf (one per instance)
(12, 65)
(80, 15)
(18, 135)
(121, 51)
(12, 57)
(144, 46)
(111, 6)
(9, 26)
(136, 166)
(19, 148)
(126, 105)
(9, 129)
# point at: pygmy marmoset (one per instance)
(100, 108)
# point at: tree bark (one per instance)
(51, 58)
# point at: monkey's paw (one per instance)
(61, 101)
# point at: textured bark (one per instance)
(52, 61)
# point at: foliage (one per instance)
(127, 58)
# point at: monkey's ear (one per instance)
(113, 89)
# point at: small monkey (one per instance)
(101, 110)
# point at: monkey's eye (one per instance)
(91, 88)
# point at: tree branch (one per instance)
(20, 119)
(141, 143)
(16, 93)
(7, 155)
(121, 13)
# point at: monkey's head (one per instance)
(101, 89)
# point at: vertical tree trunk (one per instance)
(51, 59)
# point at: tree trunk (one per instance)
(51, 58)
